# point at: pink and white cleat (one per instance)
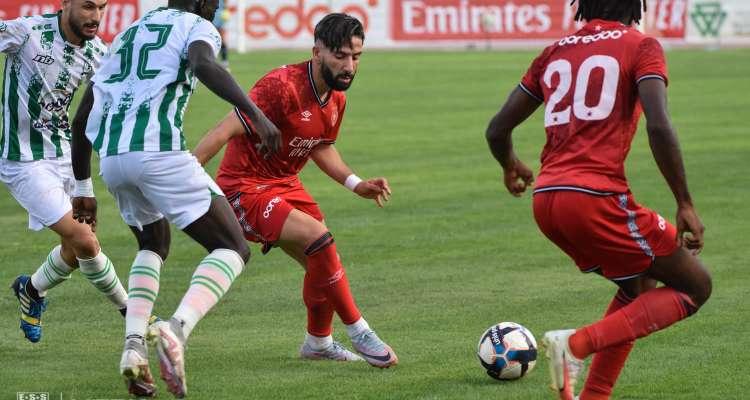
(171, 350)
(564, 368)
(374, 350)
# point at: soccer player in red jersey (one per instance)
(306, 102)
(594, 85)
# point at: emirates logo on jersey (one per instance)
(306, 115)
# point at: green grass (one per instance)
(451, 254)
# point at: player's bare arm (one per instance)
(519, 106)
(84, 207)
(328, 159)
(666, 150)
(218, 80)
(217, 137)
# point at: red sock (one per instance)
(319, 310)
(606, 365)
(326, 272)
(650, 312)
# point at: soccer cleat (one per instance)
(171, 350)
(564, 368)
(152, 333)
(335, 352)
(31, 309)
(374, 350)
(134, 367)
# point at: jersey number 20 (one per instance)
(126, 53)
(564, 70)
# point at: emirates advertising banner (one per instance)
(258, 24)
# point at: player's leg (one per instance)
(303, 234)
(42, 188)
(607, 364)
(318, 343)
(687, 286)
(90, 259)
(219, 232)
(643, 243)
(122, 175)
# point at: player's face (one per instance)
(207, 9)
(339, 67)
(84, 16)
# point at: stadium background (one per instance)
(452, 253)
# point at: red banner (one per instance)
(424, 20)
(117, 16)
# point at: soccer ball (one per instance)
(507, 351)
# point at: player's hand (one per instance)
(376, 189)
(689, 229)
(270, 137)
(84, 210)
(517, 178)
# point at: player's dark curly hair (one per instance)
(613, 10)
(337, 29)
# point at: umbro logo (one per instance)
(43, 59)
(306, 115)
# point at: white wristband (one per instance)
(352, 181)
(84, 188)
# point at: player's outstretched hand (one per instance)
(84, 210)
(689, 229)
(517, 178)
(375, 188)
(270, 136)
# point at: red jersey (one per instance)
(287, 96)
(589, 84)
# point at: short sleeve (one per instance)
(272, 97)
(650, 62)
(13, 34)
(205, 31)
(530, 83)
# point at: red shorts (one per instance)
(262, 210)
(608, 233)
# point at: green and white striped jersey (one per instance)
(142, 88)
(42, 73)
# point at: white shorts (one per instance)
(42, 187)
(151, 185)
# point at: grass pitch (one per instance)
(450, 255)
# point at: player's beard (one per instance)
(333, 82)
(77, 27)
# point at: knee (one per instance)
(84, 244)
(318, 242)
(702, 292)
(243, 250)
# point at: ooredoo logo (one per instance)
(291, 18)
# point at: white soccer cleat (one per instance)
(564, 368)
(171, 350)
(335, 352)
(134, 368)
(374, 350)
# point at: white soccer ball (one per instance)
(507, 351)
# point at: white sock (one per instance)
(211, 280)
(317, 342)
(357, 327)
(101, 273)
(52, 272)
(143, 287)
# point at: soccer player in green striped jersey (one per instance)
(48, 57)
(132, 115)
